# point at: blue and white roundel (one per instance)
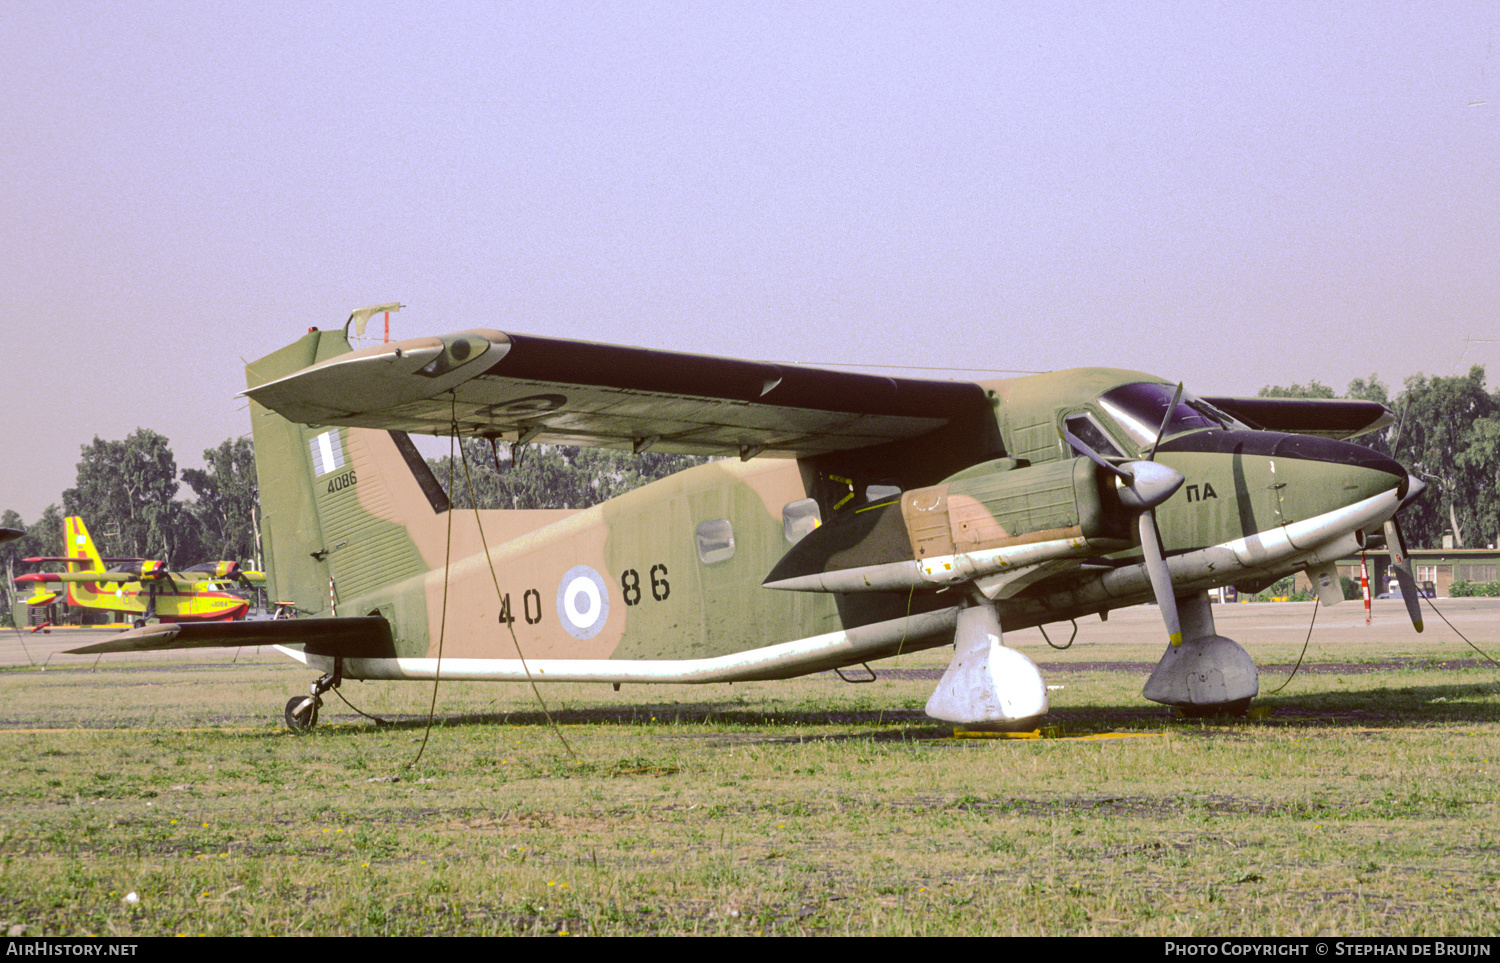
(582, 602)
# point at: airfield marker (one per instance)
(1364, 585)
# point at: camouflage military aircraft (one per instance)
(858, 517)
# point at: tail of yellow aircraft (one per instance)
(82, 556)
(80, 546)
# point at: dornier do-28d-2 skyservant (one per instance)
(856, 517)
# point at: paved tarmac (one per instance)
(45, 648)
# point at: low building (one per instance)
(1436, 568)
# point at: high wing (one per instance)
(94, 576)
(1338, 418)
(525, 388)
(221, 571)
(76, 559)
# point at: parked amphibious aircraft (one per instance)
(141, 588)
(858, 517)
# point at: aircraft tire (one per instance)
(300, 718)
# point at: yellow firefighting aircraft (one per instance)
(857, 517)
(139, 587)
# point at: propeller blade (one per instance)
(1161, 577)
(1093, 456)
(1142, 485)
(1409, 595)
(1165, 420)
(1395, 542)
(1401, 565)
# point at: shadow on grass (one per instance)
(1393, 707)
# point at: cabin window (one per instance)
(715, 541)
(881, 492)
(1087, 430)
(799, 518)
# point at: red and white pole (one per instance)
(1364, 585)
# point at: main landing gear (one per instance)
(1207, 675)
(987, 686)
(302, 711)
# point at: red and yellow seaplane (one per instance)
(141, 588)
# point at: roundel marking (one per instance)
(530, 404)
(582, 602)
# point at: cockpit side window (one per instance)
(1088, 431)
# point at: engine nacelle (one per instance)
(997, 524)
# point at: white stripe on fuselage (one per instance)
(1275, 552)
(813, 654)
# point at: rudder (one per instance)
(344, 508)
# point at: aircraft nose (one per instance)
(1414, 489)
(1280, 478)
(1289, 447)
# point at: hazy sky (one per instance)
(1234, 194)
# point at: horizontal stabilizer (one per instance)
(361, 637)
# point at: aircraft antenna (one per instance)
(360, 317)
(474, 502)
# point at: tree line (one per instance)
(1447, 432)
(548, 476)
(126, 492)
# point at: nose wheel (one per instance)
(302, 711)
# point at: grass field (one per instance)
(1362, 803)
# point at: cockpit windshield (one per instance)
(1139, 409)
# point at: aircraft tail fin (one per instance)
(82, 556)
(80, 547)
(347, 512)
